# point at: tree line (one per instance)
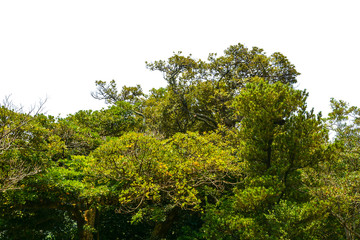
(227, 150)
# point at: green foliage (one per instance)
(223, 221)
(278, 138)
(227, 150)
(39, 224)
(26, 146)
(291, 220)
(109, 93)
(111, 122)
(337, 180)
(200, 93)
(172, 171)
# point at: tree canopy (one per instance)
(227, 150)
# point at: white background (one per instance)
(57, 49)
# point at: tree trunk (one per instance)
(162, 228)
(89, 217)
(85, 221)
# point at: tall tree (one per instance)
(200, 93)
(278, 138)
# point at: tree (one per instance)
(132, 95)
(109, 93)
(227, 150)
(113, 121)
(336, 183)
(23, 144)
(278, 139)
(162, 177)
(67, 187)
(200, 93)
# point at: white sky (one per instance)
(57, 49)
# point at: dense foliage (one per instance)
(227, 150)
